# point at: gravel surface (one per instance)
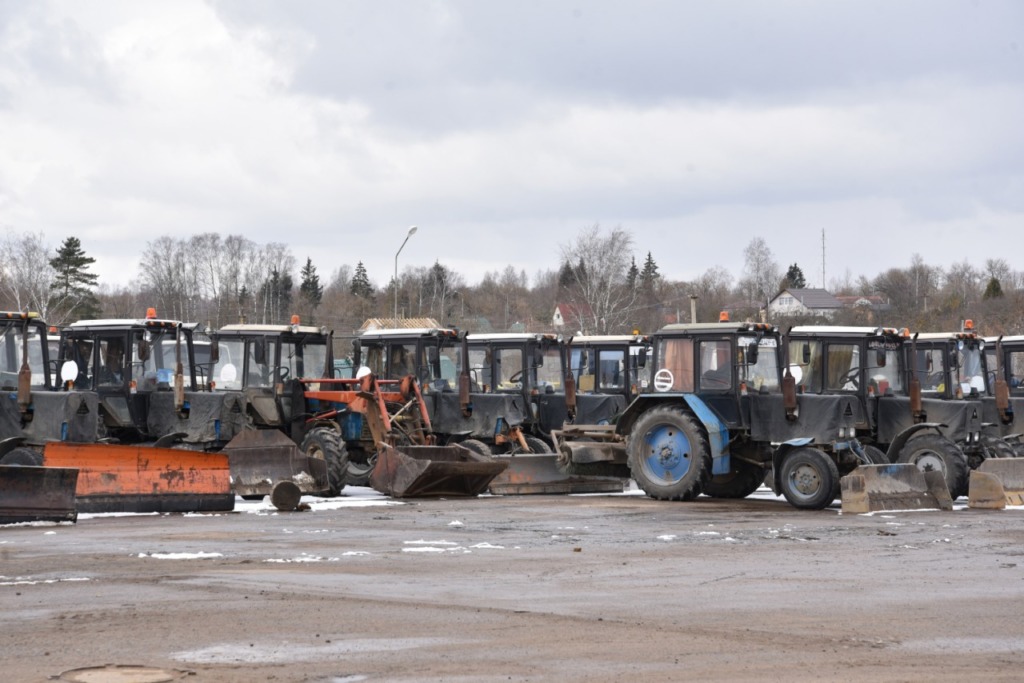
(531, 588)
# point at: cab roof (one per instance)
(716, 328)
(245, 328)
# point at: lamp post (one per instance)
(412, 231)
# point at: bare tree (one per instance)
(761, 275)
(25, 273)
(596, 264)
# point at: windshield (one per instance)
(930, 367)
(156, 370)
(12, 340)
(762, 375)
(970, 369)
(227, 371)
(883, 368)
(307, 358)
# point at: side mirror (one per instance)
(259, 351)
(806, 353)
(214, 352)
(641, 360)
(880, 358)
(538, 358)
(357, 353)
(752, 353)
(144, 348)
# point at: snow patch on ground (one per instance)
(26, 581)
(181, 556)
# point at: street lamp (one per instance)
(412, 231)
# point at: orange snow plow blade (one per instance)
(871, 488)
(132, 478)
(996, 484)
(433, 471)
(37, 494)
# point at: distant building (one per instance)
(399, 324)
(571, 316)
(793, 302)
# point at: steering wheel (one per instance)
(852, 377)
(516, 377)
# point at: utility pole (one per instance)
(823, 258)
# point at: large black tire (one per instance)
(537, 445)
(809, 479)
(22, 456)
(995, 447)
(357, 472)
(477, 446)
(744, 479)
(876, 455)
(669, 457)
(325, 443)
(933, 452)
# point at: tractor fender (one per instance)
(903, 437)
(10, 443)
(714, 427)
(784, 449)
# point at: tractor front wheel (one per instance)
(810, 479)
(325, 443)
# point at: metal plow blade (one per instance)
(871, 488)
(530, 474)
(122, 478)
(997, 483)
(433, 471)
(37, 494)
(261, 458)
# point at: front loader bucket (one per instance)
(998, 482)
(260, 458)
(540, 473)
(871, 488)
(37, 494)
(134, 478)
(433, 471)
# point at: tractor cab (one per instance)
(126, 362)
(609, 364)
(429, 354)
(526, 365)
(263, 362)
(1004, 362)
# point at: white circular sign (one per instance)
(663, 380)
(228, 373)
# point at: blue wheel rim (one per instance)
(667, 453)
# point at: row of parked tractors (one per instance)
(155, 417)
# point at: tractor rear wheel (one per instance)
(744, 479)
(22, 456)
(933, 452)
(324, 443)
(669, 457)
(809, 479)
(876, 455)
(477, 446)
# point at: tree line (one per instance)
(600, 284)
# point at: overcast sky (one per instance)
(502, 129)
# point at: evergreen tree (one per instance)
(310, 288)
(360, 285)
(72, 288)
(566, 278)
(794, 278)
(650, 272)
(632, 275)
(994, 290)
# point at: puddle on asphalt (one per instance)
(275, 653)
(949, 645)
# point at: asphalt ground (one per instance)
(529, 588)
